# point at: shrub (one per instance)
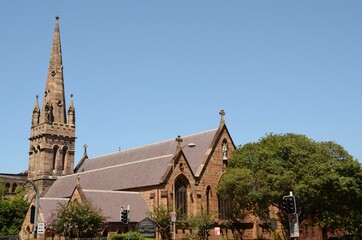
(132, 236)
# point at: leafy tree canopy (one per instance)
(161, 216)
(12, 213)
(77, 220)
(201, 223)
(325, 178)
(2, 189)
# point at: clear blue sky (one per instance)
(146, 71)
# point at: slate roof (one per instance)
(194, 156)
(138, 167)
(48, 205)
(110, 202)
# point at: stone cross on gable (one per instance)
(85, 148)
(179, 140)
(222, 114)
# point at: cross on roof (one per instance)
(179, 140)
(85, 148)
(222, 114)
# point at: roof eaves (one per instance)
(110, 191)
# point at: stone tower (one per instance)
(52, 138)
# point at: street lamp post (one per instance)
(35, 227)
(179, 148)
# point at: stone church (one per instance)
(183, 172)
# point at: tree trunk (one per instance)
(324, 233)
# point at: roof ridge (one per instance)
(109, 191)
(147, 145)
(118, 165)
(53, 198)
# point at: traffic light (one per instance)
(289, 204)
(124, 216)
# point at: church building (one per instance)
(182, 172)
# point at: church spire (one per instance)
(54, 109)
(52, 137)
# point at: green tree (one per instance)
(161, 216)
(2, 189)
(12, 213)
(325, 178)
(201, 223)
(77, 220)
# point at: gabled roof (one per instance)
(138, 167)
(194, 156)
(145, 172)
(110, 202)
(48, 205)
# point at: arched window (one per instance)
(7, 187)
(55, 151)
(64, 155)
(34, 150)
(13, 188)
(224, 208)
(181, 196)
(208, 192)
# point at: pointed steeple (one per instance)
(52, 137)
(54, 89)
(71, 111)
(36, 113)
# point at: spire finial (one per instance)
(78, 179)
(36, 107)
(36, 112)
(57, 23)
